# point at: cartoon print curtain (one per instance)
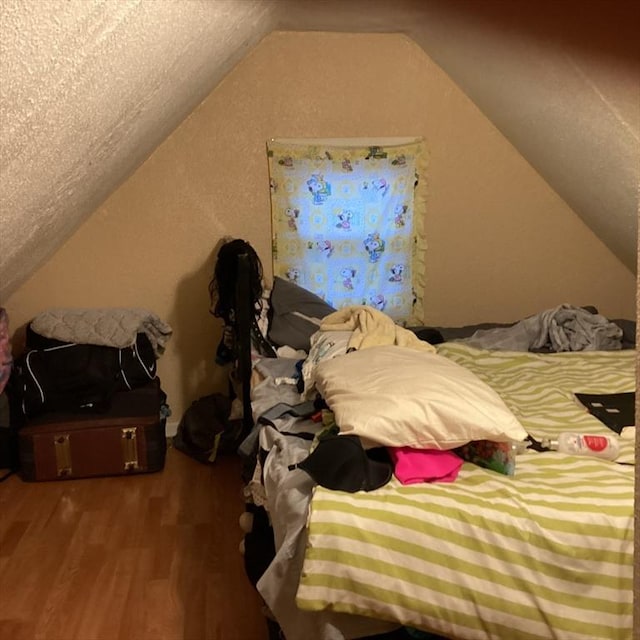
(347, 222)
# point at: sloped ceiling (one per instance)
(89, 88)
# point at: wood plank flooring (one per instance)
(148, 557)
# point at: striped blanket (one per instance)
(547, 553)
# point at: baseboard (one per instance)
(172, 428)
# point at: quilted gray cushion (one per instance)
(112, 327)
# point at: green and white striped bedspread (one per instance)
(547, 553)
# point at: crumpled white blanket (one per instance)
(563, 328)
(288, 496)
(111, 327)
(372, 328)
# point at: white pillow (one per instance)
(396, 396)
(325, 345)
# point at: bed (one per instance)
(541, 548)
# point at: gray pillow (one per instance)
(288, 304)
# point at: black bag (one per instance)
(9, 449)
(137, 362)
(79, 377)
(205, 429)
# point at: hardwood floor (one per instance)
(148, 557)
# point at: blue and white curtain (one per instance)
(347, 222)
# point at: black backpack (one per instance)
(205, 429)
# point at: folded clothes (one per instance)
(424, 465)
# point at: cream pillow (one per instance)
(396, 396)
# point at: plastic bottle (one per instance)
(577, 444)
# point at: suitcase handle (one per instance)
(63, 455)
(129, 449)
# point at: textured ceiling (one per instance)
(89, 88)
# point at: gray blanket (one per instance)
(563, 328)
(113, 327)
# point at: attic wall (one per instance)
(560, 79)
(88, 88)
(502, 244)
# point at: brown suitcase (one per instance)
(127, 439)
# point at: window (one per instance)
(347, 221)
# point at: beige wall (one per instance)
(502, 244)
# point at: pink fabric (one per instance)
(424, 465)
(5, 349)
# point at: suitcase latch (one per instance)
(129, 449)
(62, 448)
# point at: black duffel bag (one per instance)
(78, 377)
(205, 430)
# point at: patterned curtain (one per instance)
(347, 223)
